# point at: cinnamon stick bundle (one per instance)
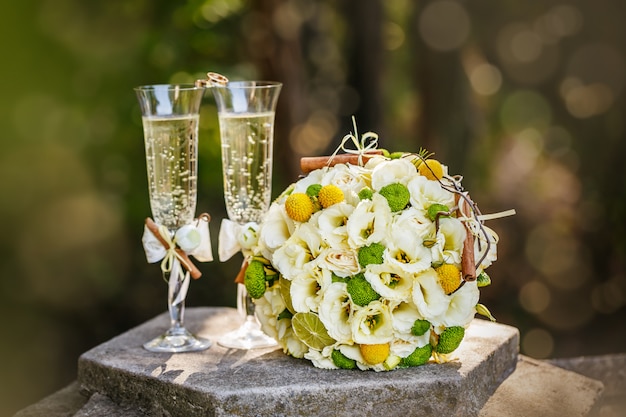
(311, 163)
(184, 259)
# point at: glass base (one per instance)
(177, 339)
(248, 336)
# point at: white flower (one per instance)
(288, 339)
(334, 312)
(309, 235)
(406, 249)
(425, 193)
(188, 238)
(429, 296)
(312, 178)
(343, 262)
(332, 224)
(372, 324)
(307, 288)
(480, 245)
(403, 318)
(391, 172)
(319, 360)
(449, 241)
(275, 230)
(461, 309)
(369, 222)
(349, 178)
(248, 238)
(290, 258)
(268, 307)
(391, 282)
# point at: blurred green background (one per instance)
(525, 99)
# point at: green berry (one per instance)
(483, 279)
(254, 279)
(420, 327)
(420, 356)
(342, 361)
(313, 190)
(366, 194)
(434, 209)
(372, 254)
(361, 291)
(450, 339)
(397, 196)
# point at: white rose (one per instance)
(391, 172)
(248, 237)
(334, 312)
(429, 296)
(343, 262)
(369, 222)
(349, 178)
(389, 281)
(188, 238)
(372, 324)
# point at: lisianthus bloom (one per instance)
(334, 312)
(372, 324)
(369, 222)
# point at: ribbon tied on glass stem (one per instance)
(192, 239)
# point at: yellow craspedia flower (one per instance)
(431, 169)
(449, 277)
(374, 354)
(329, 195)
(299, 207)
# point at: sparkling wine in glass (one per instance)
(170, 115)
(246, 112)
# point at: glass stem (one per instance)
(245, 305)
(177, 291)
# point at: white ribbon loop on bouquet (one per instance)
(235, 237)
(360, 147)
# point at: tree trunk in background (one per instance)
(278, 56)
(364, 49)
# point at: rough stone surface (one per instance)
(539, 389)
(611, 370)
(229, 382)
(62, 403)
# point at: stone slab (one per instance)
(230, 382)
(539, 389)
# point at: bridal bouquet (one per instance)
(374, 264)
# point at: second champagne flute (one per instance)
(246, 111)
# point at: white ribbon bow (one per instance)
(194, 239)
(362, 147)
(235, 237)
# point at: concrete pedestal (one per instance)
(228, 382)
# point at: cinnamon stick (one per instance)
(468, 261)
(311, 163)
(242, 273)
(182, 256)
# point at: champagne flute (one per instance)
(246, 111)
(170, 115)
